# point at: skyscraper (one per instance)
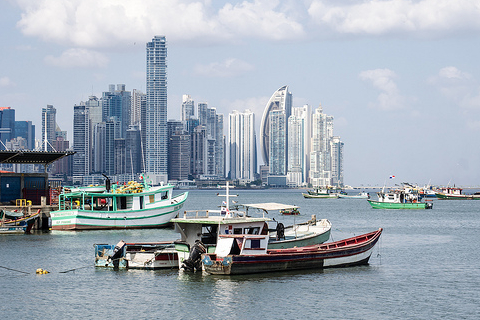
(81, 143)
(26, 130)
(242, 145)
(49, 126)
(117, 104)
(277, 143)
(281, 100)
(320, 156)
(188, 107)
(7, 125)
(156, 111)
(298, 145)
(337, 161)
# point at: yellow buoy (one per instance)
(41, 271)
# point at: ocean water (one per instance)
(425, 266)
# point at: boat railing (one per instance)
(208, 213)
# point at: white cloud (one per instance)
(5, 81)
(93, 23)
(396, 16)
(261, 19)
(457, 86)
(107, 23)
(78, 58)
(382, 79)
(228, 68)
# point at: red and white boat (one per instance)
(245, 254)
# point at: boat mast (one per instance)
(227, 194)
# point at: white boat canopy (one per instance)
(268, 206)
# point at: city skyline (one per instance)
(398, 79)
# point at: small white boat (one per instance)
(361, 195)
(143, 255)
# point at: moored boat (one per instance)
(143, 255)
(133, 206)
(455, 193)
(19, 219)
(361, 195)
(247, 254)
(200, 230)
(12, 222)
(290, 212)
(327, 192)
(400, 199)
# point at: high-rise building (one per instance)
(188, 107)
(133, 150)
(62, 167)
(112, 132)
(156, 109)
(214, 144)
(298, 145)
(49, 127)
(320, 155)
(117, 103)
(179, 156)
(81, 143)
(7, 125)
(199, 151)
(281, 100)
(337, 161)
(26, 130)
(277, 143)
(139, 100)
(220, 148)
(242, 146)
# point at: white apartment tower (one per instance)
(299, 145)
(188, 107)
(320, 155)
(242, 146)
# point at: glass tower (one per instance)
(156, 108)
(281, 100)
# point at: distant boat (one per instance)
(132, 206)
(361, 195)
(327, 192)
(405, 198)
(247, 254)
(453, 193)
(290, 212)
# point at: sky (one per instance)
(401, 78)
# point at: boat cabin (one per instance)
(117, 200)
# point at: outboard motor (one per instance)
(280, 231)
(194, 261)
(117, 253)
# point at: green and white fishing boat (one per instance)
(133, 206)
(327, 192)
(406, 198)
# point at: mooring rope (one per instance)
(45, 270)
(76, 268)
(14, 270)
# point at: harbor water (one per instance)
(425, 266)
